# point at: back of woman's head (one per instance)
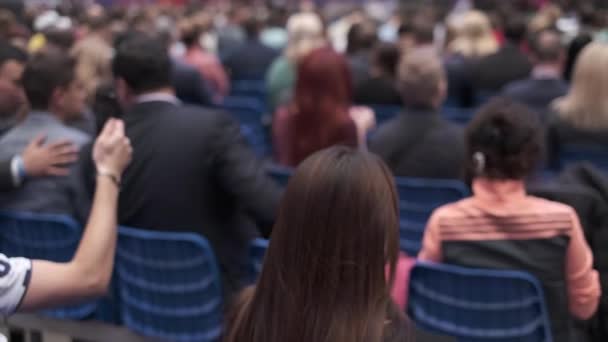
(504, 141)
(586, 105)
(324, 273)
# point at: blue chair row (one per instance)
(477, 305)
(47, 237)
(249, 88)
(165, 285)
(250, 113)
(472, 305)
(417, 200)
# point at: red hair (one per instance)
(323, 96)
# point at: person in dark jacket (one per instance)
(381, 87)
(419, 142)
(193, 171)
(545, 83)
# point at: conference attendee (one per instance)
(193, 171)
(491, 73)
(93, 54)
(321, 113)
(381, 87)
(27, 285)
(361, 39)
(305, 33)
(251, 59)
(545, 83)
(55, 97)
(207, 64)
(473, 40)
(581, 117)
(502, 227)
(419, 142)
(12, 63)
(328, 270)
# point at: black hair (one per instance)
(45, 72)
(252, 27)
(10, 52)
(362, 36)
(142, 61)
(423, 29)
(509, 136)
(516, 28)
(386, 57)
(574, 49)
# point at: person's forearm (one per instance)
(94, 258)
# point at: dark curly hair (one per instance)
(509, 136)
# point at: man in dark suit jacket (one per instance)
(419, 142)
(192, 171)
(546, 83)
(493, 72)
(252, 58)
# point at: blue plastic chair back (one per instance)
(477, 305)
(250, 114)
(257, 250)
(417, 200)
(169, 285)
(249, 88)
(47, 237)
(458, 115)
(571, 154)
(385, 113)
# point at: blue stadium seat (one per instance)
(257, 250)
(417, 200)
(280, 174)
(169, 285)
(458, 115)
(46, 237)
(385, 113)
(476, 305)
(571, 154)
(249, 88)
(250, 114)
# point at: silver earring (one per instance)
(479, 160)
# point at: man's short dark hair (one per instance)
(10, 52)
(143, 62)
(516, 28)
(252, 27)
(45, 72)
(547, 46)
(362, 36)
(386, 57)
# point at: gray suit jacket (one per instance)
(58, 195)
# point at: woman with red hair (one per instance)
(321, 113)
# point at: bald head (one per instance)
(547, 47)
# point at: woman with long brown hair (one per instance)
(325, 276)
(321, 113)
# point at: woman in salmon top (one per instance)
(501, 227)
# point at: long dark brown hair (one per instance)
(324, 277)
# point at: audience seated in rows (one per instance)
(581, 117)
(419, 142)
(501, 227)
(55, 96)
(321, 114)
(305, 33)
(207, 64)
(258, 56)
(192, 171)
(333, 255)
(545, 83)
